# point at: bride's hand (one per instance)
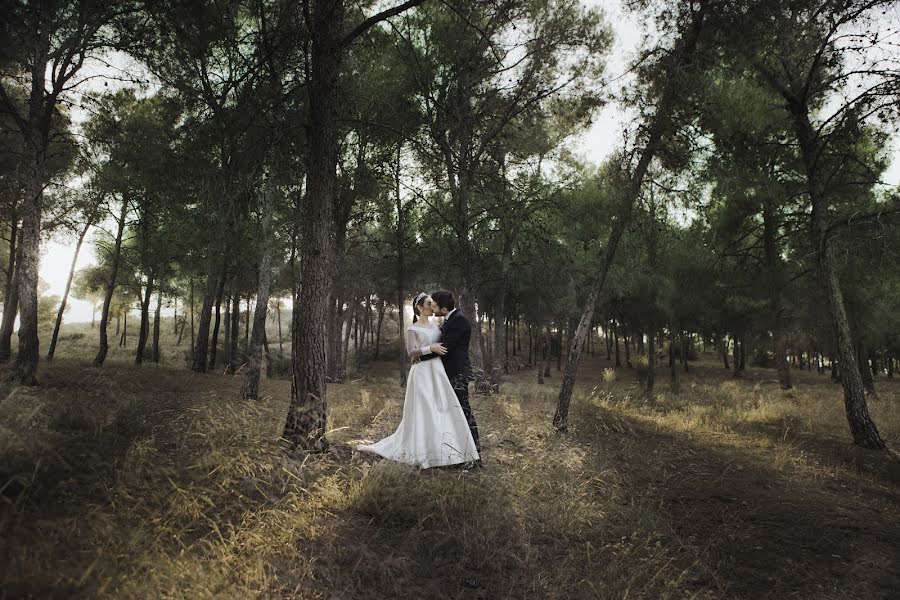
(439, 349)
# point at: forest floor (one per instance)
(151, 482)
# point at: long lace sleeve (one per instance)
(412, 348)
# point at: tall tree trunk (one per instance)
(615, 326)
(543, 365)
(156, 324)
(549, 350)
(124, 337)
(356, 340)
(214, 342)
(674, 384)
(278, 319)
(608, 344)
(11, 300)
(627, 348)
(233, 355)
(193, 334)
(653, 263)
(659, 126)
(250, 387)
(862, 427)
(36, 141)
(381, 307)
(201, 340)
(530, 344)
(305, 423)
(401, 268)
(775, 285)
(347, 329)
(144, 332)
(651, 364)
(111, 287)
(333, 332)
(230, 332)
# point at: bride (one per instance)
(433, 431)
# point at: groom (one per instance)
(455, 334)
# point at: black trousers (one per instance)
(461, 387)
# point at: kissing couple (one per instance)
(438, 428)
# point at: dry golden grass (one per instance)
(155, 483)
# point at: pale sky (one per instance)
(594, 145)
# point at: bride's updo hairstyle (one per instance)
(417, 303)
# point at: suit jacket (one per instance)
(455, 335)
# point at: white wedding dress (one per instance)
(433, 431)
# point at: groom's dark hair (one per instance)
(444, 299)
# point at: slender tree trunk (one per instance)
(655, 134)
(776, 307)
(862, 427)
(230, 332)
(111, 287)
(627, 349)
(684, 351)
(651, 364)
(608, 345)
(349, 315)
(118, 323)
(280, 336)
(674, 384)
(549, 350)
(543, 365)
(356, 334)
(201, 340)
(381, 308)
(737, 357)
(193, 334)
(250, 387)
(615, 326)
(144, 332)
(247, 324)
(233, 359)
(156, 325)
(11, 297)
(401, 268)
(65, 297)
(214, 343)
(123, 339)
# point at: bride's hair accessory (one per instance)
(416, 304)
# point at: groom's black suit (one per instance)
(455, 336)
